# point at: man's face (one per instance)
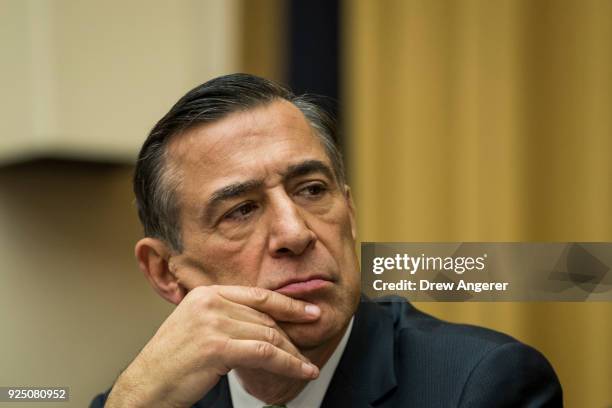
(260, 207)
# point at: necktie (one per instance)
(275, 406)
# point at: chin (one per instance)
(308, 336)
(311, 335)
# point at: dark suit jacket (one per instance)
(397, 356)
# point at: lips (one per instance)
(304, 286)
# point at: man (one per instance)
(250, 231)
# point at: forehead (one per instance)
(265, 139)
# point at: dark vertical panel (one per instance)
(313, 65)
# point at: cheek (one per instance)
(337, 224)
(226, 262)
(238, 234)
(336, 234)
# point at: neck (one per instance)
(276, 389)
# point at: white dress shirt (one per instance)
(311, 396)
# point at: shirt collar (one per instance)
(311, 396)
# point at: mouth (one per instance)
(302, 287)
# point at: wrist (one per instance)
(131, 390)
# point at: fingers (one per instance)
(241, 330)
(247, 314)
(245, 319)
(237, 311)
(263, 355)
(279, 307)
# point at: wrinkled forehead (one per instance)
(274, 133)
(279, 119)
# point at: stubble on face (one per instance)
(260, 144)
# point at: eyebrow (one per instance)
(307, 167)
(229, 192)
(238, 189)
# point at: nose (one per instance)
(289, 234)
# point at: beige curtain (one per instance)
(489, 121)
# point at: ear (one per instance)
(349, 200)
(153, 255)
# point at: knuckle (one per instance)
(223, 346)
(214, 322)
(268, 321)
(294, 305)
(216, 347)
(258, 295)
(199, 291)
(206, 299)
(264, 350)
(220, 357)
(192, 296)
(272, 336)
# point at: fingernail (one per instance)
(309, 369)
(312, 310)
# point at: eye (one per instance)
(241, 212)
(313, 191)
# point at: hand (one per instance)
(213, 330)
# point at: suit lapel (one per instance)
(218, 397)
(366, 371)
